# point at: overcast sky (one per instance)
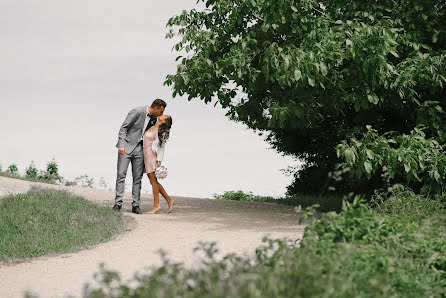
(70, 72)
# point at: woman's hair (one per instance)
(164, 130)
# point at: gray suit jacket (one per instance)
(131, 130)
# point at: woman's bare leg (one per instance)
(169, 200)
(156, 192)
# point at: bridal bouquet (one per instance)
(161, 172)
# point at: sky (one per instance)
(72, 70)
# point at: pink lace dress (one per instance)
(149, 155)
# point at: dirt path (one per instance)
(235, 226)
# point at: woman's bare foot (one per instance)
(154, 210)
(172, 202)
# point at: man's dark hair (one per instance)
(158, 103)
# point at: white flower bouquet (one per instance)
(161, 172)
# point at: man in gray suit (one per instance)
(130, 150)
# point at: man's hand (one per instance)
(121, 151)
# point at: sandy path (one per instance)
(235, 226)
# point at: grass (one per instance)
(397, 249)
(326, 203)
(44, 222)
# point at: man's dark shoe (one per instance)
(117, 208)
(136, 210)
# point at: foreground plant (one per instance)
(388, 251)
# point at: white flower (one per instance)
(161, 172)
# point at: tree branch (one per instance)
(321, 12)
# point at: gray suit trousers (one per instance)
(136, 157)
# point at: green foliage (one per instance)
(325, 202)
(52, 173)
(400, 200)
(359, 252)
(13, 169)
(242, 196)
(406, 226)
(43, 222)
(408, 158)
(31, 172)
(310, 74)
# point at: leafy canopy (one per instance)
(310, 74)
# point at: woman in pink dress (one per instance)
(153, 148)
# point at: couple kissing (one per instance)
(141, 142)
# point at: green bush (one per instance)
(242, 196)
(51, 175)
(411, 158)
(326, 202)
(31, 172)
(13, 169)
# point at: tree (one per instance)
(310, 74)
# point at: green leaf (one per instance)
(350, 157)
(294, 8)
(185, 78)
(372, 98)
(434, 38)
(348, 42)
(368, 167)
(390, 67)
(287, 60)
(407, 167)
(369, 153)
(297, 74)
(339, 22)
(311, 81)
(323, 69)
(437, 176)
(394, 54)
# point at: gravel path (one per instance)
(235, 226)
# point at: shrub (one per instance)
(31, 172)
(13, 169)
(412, 158)
(326, 202)
(51, 175)
(242, 196)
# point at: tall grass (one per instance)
(43, 222)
